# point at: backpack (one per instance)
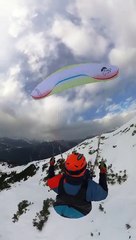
(77, 201)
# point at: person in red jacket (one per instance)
(75, 188)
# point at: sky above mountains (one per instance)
(37, 38)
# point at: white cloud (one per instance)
(31, 35)
(11, 87)
(20, 21)
(6, 43)
(79, 38)
(125, 58)
(38, 48)
(117, 22)
(116, 18)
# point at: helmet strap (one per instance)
(73, 180)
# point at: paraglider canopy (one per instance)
(72, 76)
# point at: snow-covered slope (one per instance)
(114, 218)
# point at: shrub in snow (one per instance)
(22, 208)
(3, 183)
(44, 167)
(24, 175)
(43, 215)
(101, 208)
(92, 151)
(113, 178)
(134, 132)
(126, 130)
(61, 164)
(128, 226)
(114, 146)
(5, 180)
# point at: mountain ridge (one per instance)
(20, 152)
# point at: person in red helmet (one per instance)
(75, 188)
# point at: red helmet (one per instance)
(75, 165)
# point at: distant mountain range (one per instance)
(20, 152)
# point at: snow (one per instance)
(119, 149)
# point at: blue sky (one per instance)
(37, 38)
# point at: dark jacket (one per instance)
(93, 192)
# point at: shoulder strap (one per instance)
(61, 190)
(81, 193)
